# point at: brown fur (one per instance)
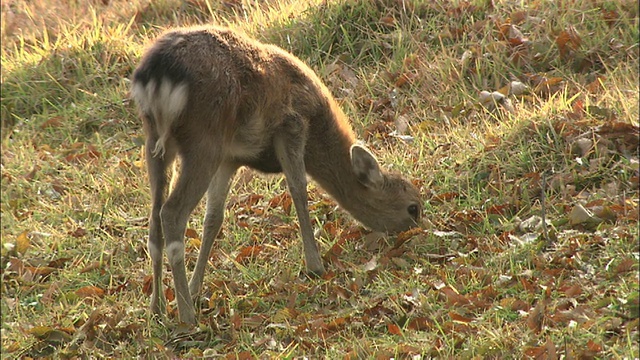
(219, 100)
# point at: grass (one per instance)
(479, 280)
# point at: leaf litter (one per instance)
(449, 280)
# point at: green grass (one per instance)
(475, 282)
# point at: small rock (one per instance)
(517, 88)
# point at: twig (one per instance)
(543, 214)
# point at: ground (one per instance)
(518, 121)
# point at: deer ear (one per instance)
(366, 167)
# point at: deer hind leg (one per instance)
(216, 198)
(289, 145)
(157, 170)
(197, 168)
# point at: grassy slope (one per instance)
(479, 281)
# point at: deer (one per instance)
(215, 100)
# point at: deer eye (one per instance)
(414, 211)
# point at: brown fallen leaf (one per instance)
(55, 121)
(627, 264)
(394, 329)
(457, 317)
(500, 209)
(147, 287)
(573, 291)
(169, 294)
(406, 236)
(593, 346)
(50, 335)
(610, 16)
(520, 305)
(29, 176)
(388, 21)
(549, 86)
(50, 294)
(92, 153)
(23, 242)
(596, 85)
(284, 200)
(512, 35)
(59, 263)
(518, 17)
(32, 271)
(191, 234)
(568, 40)
(534, 321)
(444, 197)
(337, 324)
(78, 233)
(419, 324)
(248, 252)
(405, 78)
(591, 351)
(92, 266)
(453, 297)
(11, 346)
(90, 291)
(551, 349)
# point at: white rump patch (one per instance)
(165, 102)
(172, 99)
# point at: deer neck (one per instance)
(329, 158)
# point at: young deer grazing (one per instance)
(219, 100)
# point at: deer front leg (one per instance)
(216, 198)
(289, 147)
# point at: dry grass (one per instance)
(480, 280)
